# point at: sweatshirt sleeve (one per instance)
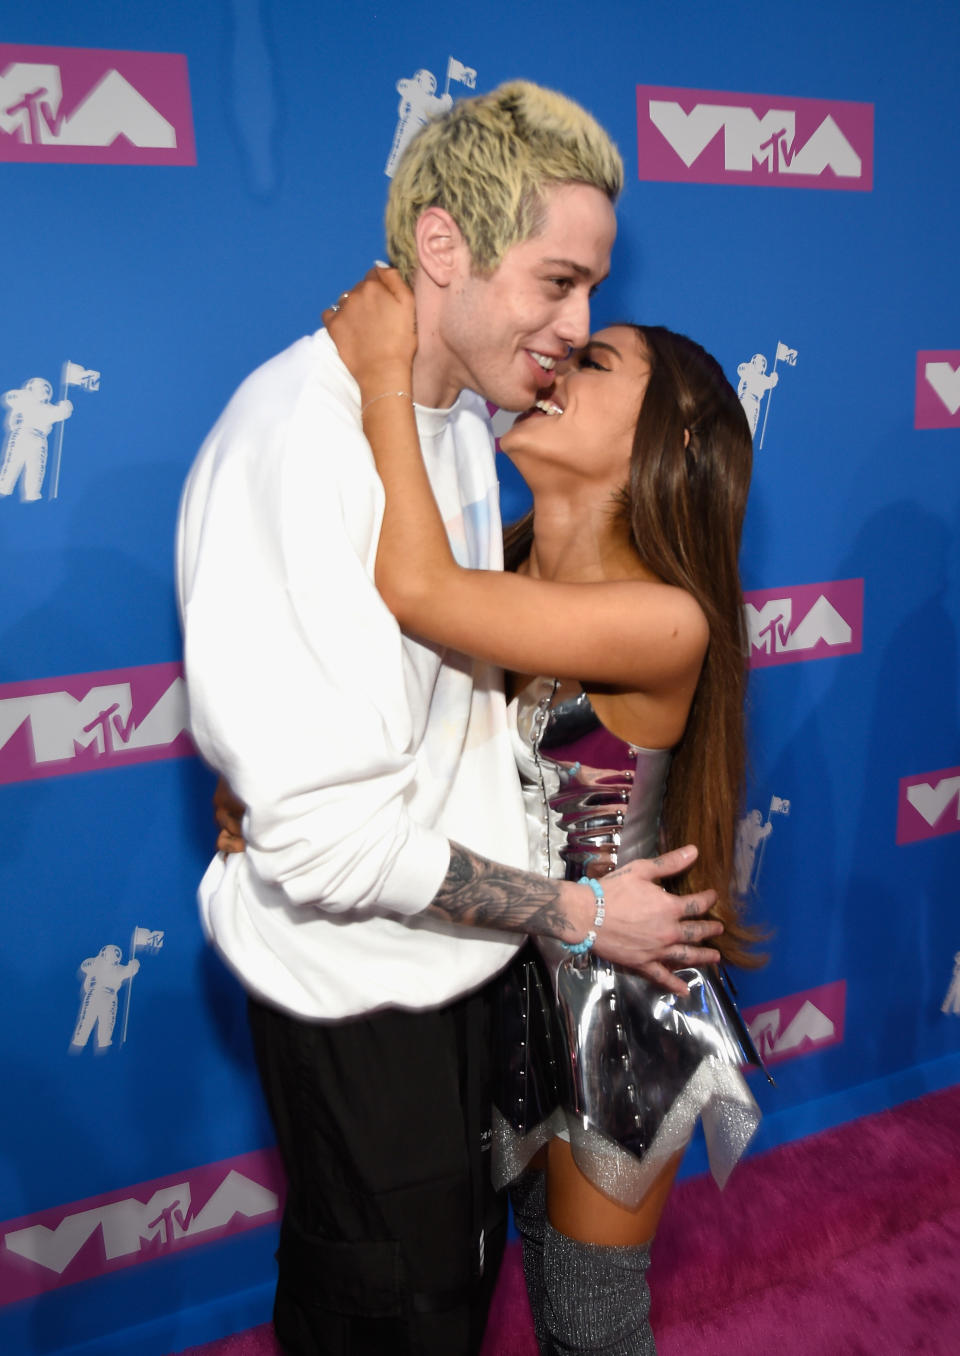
(295, 668)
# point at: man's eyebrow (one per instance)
(581, 270)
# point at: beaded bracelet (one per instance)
(581, 948)
(383, 396)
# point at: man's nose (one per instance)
(574, 326)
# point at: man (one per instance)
(382, 880)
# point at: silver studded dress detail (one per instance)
(594, 1052)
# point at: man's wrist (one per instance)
(578, 906)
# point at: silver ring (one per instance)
(335, 307)
(342, 298)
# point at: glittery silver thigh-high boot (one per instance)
(528, 1198)
(596, 1298)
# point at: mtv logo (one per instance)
(928, 805)
(801, 1024)
(138, 1224)
(712, 137)
(86, 722)
(938, 389)
(73, 105)
(807, 621)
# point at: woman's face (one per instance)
(587, 419)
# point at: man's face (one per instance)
(504, 334)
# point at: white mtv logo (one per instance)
(810, 1024)
(126, 1225)
(770, 627)
(749, 140)
(931, 801)
(61, 725)
(946, 382)
(30, 98)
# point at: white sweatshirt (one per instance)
(358, 752)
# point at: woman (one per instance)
(626, 595)
(625, 600)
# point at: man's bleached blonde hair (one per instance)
(488, 162)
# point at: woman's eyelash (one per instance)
(586, 361)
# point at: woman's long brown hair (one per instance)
(685, 501)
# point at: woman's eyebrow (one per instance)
(599, 343)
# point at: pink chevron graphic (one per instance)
(87, 722)
(79, 105)
(706, 136)
(93, 1237)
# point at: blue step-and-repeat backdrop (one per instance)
(185, 187)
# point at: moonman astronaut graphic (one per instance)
(419, 102)
(951, 1004)
(30, 419)
(753, 386)
(103, 977)
(751, 833)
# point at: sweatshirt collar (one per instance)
(430, 422)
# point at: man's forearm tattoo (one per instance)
(487, 894)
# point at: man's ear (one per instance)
(440, 246)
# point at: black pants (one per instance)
(383, 1123)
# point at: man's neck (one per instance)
(437, 380)
(432, 388)
(434, 384)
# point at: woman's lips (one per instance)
(544, 408)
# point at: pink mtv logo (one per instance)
(807, 621)
(929, 805)
(801, 1024)
(92, 1238)
(86, 722)
(938, 388)
(78, 105)
(703, 136)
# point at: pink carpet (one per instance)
(844, 1243)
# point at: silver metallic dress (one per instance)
(589, 1050)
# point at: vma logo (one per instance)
(75, 105)
(802, 1024)
(929, 805)
(808, 621)
(138, 1224)
(702, 136)
(86, 722)
(938, 389)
